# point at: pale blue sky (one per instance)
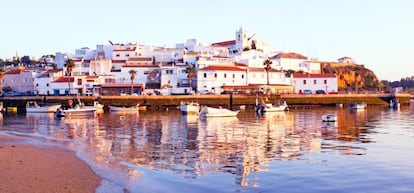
(377, 33)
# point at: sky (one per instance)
(376, 33)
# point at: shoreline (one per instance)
(30, 168)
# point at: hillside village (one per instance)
(243, 65)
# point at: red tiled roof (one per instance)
(224, 68)
(92, 77)
(240, 64)
(328, 75)
(118, 61)
(14, 71)
(65, 79)
(221, 57)
(290, 55)
(53, 71)
(225, 43)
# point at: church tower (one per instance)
(241, 40)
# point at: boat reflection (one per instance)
(194, 146)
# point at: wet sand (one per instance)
(26, 168)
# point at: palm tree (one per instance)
(191, 73)
(268, 66)
(132, 73)
(1, 79)
(69, 65)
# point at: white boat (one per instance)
(33, 107)
(282, 106)
(217, 112)
(359, 105)
(394, 103)
(329, 118)
(189, 108)
(79, 109)
(134, 108)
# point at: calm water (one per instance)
(365, 151)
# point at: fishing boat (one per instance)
(189, 108)
(33, 107)
(358, 105)
(134, 108)
(394, 103)
(281, 106)
(329, 118)
(79, 108)
(217, 112)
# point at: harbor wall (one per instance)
(226, 100)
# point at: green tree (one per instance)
(133, 73)
(69, 65)
(268, 66)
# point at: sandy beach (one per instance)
(26, 168)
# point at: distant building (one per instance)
(314, 82)
(20, 80)
(346, 59)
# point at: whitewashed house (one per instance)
(72, 85)
(213, 78)
(314, 82)
(44, 79)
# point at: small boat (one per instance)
(394, 103)
(329, 118)
(217, 112)
(281, 106)
(33, 107)
(358, 105)
(134, 108)
(189, 108)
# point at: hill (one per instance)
(352, 76)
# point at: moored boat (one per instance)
(329, 118)
(358, 105)
(134, 108)
(217, 112)
(189, 108)
(281, 106)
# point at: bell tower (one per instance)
(241, 40)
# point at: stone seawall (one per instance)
(214, 100)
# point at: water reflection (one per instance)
(194, 147)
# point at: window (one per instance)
(117, 55)
(242, 76)
(169, 72)
(234, 76)
(205, 75)
(79, 81)
(304, 81)
(325, 82)
(314, 81)
(215, 75)
(225, 75)
(126, 55)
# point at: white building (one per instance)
(314, 82)
(212, 78)
(20, 80)
(43, 81)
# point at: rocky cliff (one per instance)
(352, 76)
